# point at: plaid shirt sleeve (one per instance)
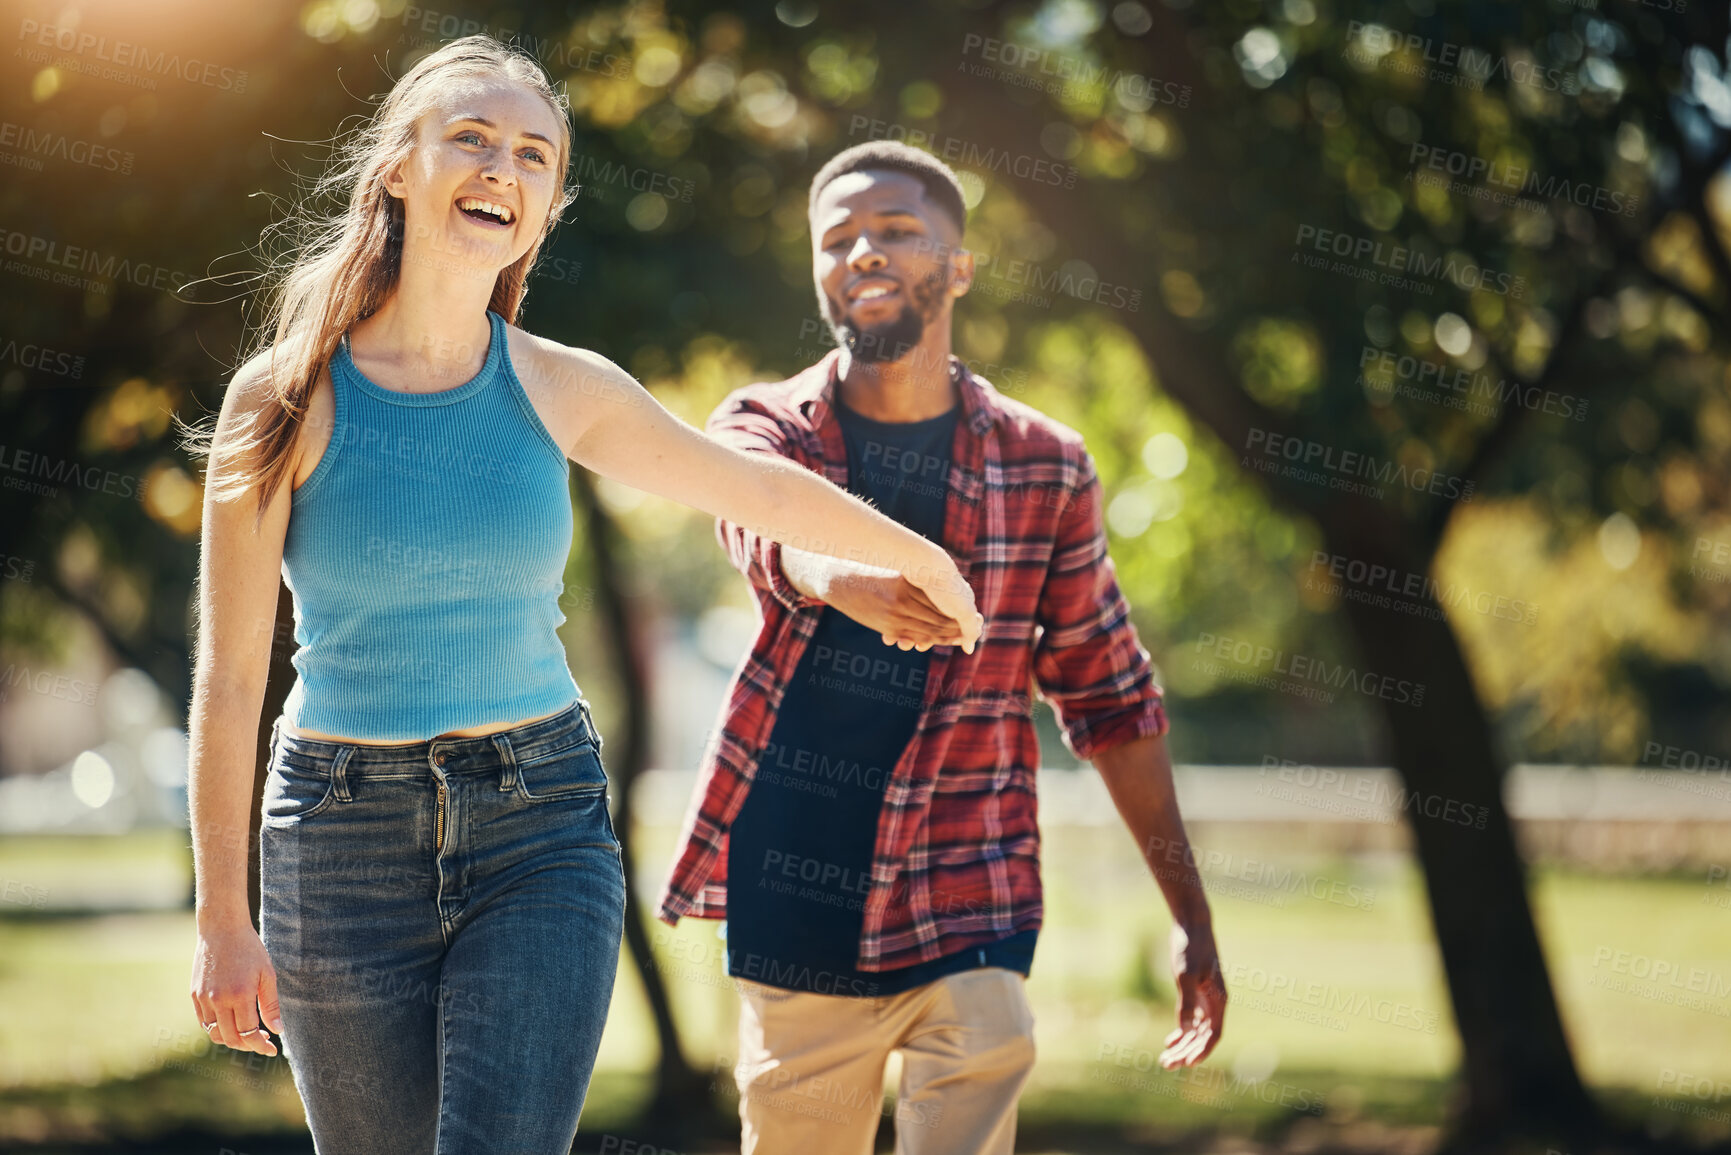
(745, 424)
(1088, 661)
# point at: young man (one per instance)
(866, 819)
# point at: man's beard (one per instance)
(887, 341)
(894, 339)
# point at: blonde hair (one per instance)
(342, 265)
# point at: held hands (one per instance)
(895, 608)
(234, 987)
(1201, 998)
(929, 605)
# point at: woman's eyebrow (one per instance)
(484, 122)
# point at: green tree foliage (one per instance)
(1471, 257)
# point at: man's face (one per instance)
(886, 262)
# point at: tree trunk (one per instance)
(1517, 1070)
(1519, 1074)
(681, 1098)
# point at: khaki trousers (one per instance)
(811, 1066)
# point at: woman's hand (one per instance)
(940, 580)
(234, 986)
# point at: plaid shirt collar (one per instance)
(813, 396)
(814, 393)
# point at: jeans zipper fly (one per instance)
(439, 833)
(439, 807)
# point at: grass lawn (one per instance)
(1338, 1005)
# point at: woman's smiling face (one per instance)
(482, 178)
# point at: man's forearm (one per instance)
(1138, 775)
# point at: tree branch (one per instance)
(127, 650)
(1512, 419)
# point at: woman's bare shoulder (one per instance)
(556, 363)
(254, 384)
(565, 382)
(252, 392)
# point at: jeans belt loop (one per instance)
(507, 763)
(589, 721)
(339, 773)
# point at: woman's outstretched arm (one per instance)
(618, 429)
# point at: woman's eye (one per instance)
(534, 154)
(466, 137)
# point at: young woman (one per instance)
(442, 888)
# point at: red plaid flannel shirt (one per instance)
(957, 861)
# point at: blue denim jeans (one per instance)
(444, 918)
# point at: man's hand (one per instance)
(1138, 775)
(1201, 998)
(878, 599)
(895, 608)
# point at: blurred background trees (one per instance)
(1159, 194)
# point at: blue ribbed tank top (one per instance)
(426, 555)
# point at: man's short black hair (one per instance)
(939, 179)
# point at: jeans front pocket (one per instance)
(569, 773)
(297, 786)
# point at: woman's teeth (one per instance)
(475, 205)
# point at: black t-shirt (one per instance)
(800, 851)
